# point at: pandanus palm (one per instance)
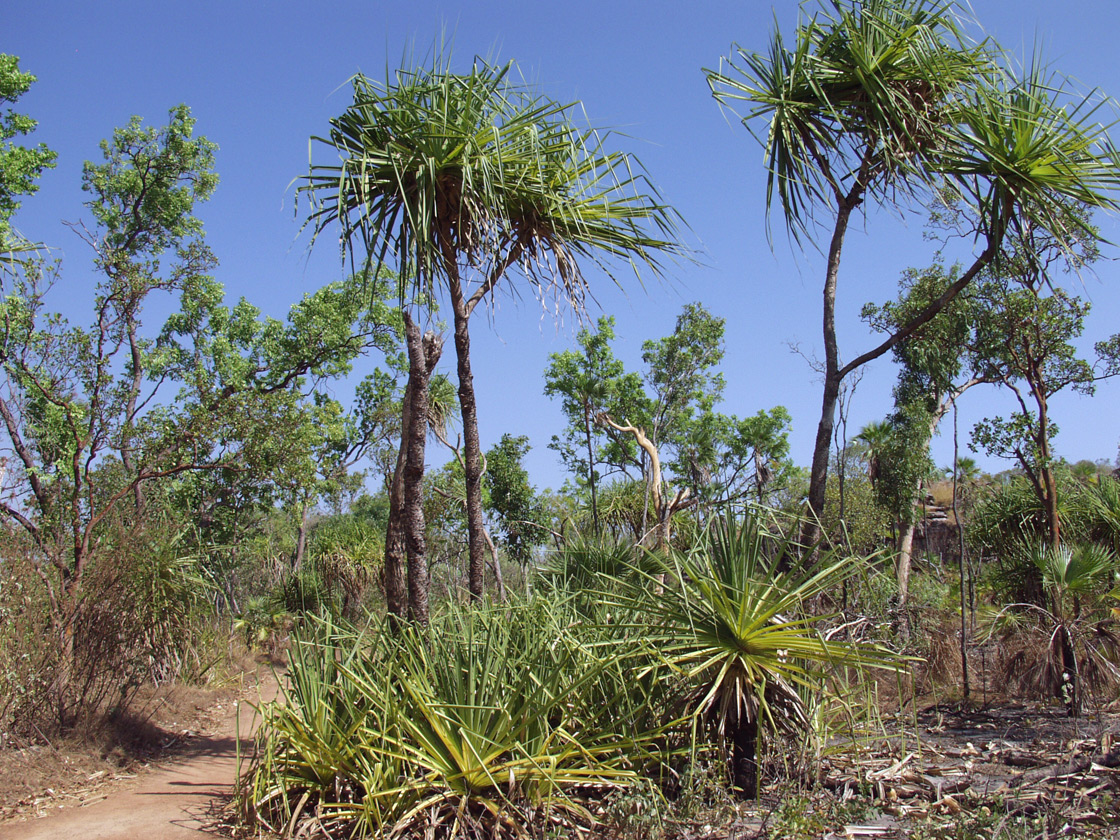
(741, 632)
(463, 178)
(885, 101)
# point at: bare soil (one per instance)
(164, 779)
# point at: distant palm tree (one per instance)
(875, 437)
(461, 178)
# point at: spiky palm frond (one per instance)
(861, 96)
(440, 170)
(740, 631)
(1031, 154)
(492, 721)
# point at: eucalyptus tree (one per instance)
(887, 103)
(663, 427)
(88, 423)
(1027, 347)
(466, 179)
(588, 382)
(513, 500)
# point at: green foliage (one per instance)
(500, 720)
(1073, 647)
(738, 629)
(718, 457)
(589, 382)
(512, 498)
(1028, 339)
(1009, 520)
(1100, 502)
(845, 89)
(105, 465)
(584, 564)
(492, 163)
(20, 166)
(348, 553)
(865, 526)
(147, 208)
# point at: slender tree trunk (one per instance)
(130, 414)
(965, 688)
(905, 550)
(423, 353)
(834, 374)
(68, 655)
(301, 540)
(396, 594)
(1046, 473)
(499, 581)
(818, 473)
(591, 467)
(472, 449)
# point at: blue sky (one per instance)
(261, 77)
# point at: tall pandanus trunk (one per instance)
(423, 355)
(404, 538)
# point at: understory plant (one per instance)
(493, 721)
(1068, 645)
(737, 618)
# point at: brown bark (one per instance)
(396, 594)
(834, 374)
(301, 540)
(423, 354)
(472, 448)
(818, 472)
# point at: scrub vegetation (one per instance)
(697, 635)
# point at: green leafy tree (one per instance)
(20, 166)
(1026, 346)
(463, 178)
(81, 431)
(935, 371)
(589, 382)
(884, 102)
(94, 443)
(512, 498)
(667, 431)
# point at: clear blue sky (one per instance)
(261, 77)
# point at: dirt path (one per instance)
(173, 802)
